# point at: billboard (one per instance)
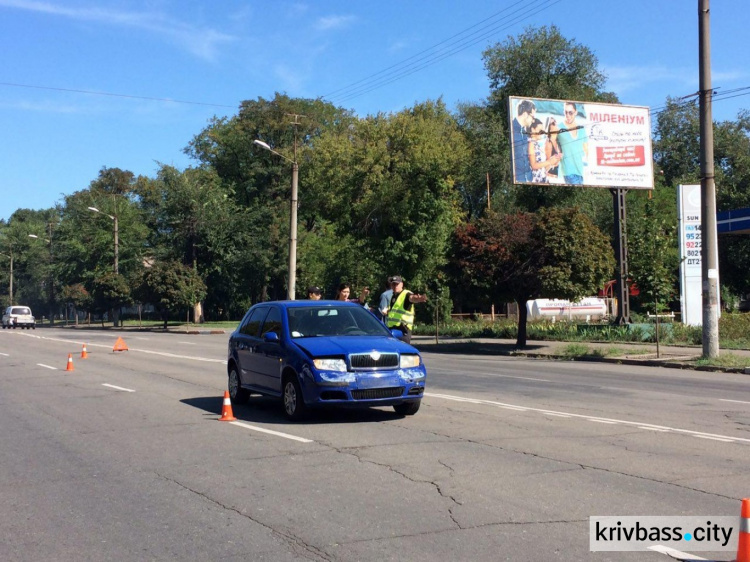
(585, 144)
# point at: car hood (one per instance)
(345, 345)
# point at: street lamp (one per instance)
(10, 291)
(292, 221)
(51, 289)
(117, 235)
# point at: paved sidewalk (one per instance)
(681, 357)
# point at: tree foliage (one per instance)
(556, 253)
(170, 286)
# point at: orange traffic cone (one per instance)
(70, 363)
(84, 353)
(743, 545)
(120, 345)
(226, 410)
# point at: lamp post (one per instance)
(51, 289)
(292, 221)
(10, 290)
(117, 235)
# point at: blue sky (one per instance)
(215, 54)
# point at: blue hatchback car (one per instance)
(314, 353)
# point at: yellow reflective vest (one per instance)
(399, 313)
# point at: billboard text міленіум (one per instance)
(563, 142)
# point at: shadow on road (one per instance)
(264, 409)
(477, 348)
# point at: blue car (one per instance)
(316, 353)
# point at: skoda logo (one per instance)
(375, 355)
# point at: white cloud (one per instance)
(328, 23)
(203, 43)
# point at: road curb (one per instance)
(467, 347)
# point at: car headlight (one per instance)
(330, 365)
(409, 361)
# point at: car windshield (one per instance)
(305, 322)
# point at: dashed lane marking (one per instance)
(118, 387)
(638, 424)
(147, 351)
(47, 366)
(735, 401)
(271, 432)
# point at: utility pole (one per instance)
(291, 288)
(709, 259)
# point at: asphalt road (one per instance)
(124, 459)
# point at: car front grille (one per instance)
(366, 361)
(375, 393)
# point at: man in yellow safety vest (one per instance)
(401, 311)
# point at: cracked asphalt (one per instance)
(506, 460)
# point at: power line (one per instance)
(94, 93)
(407, 68)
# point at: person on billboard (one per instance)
(524, 117)
(540, 153)
(574, 144)
(551, 129)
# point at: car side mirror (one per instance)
(271, 337)
(398, 334)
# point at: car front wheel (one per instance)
(408, 408)
(294, 404)
(238, 394)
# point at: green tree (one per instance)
(170, 286)
(109, 291)
(556, 253)
(387, 184)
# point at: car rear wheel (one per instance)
(238, 394)
(408, 408)
(294, 404)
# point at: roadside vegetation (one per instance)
(425, 192)
(734, 331)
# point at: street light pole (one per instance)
(51, 290)
(291, 288)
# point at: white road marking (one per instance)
(47, 366)
(118, 387)
(4, 354)
(558, 415)
(187, 342)
(601, 421)
(271, 432)
(522, 378)
(652, 428)
(638, 424)
(736, 401)
(674, 553)
(137, 338)
(162, 353)
(723, 439)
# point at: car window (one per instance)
(251, 327)
(20, 310)
(334, 321)
(273, 322)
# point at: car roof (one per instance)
(311, 304)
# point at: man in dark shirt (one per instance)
(519, 141)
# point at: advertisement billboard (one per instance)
(564, 142)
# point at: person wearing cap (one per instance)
(401, 309)
(313, 293)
